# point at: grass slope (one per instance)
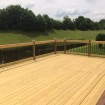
(7, 37)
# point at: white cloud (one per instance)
(58, 8)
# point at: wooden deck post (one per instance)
(64, 45)
(55, 46)
(89, 48)
(34, 55)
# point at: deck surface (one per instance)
(54, 80)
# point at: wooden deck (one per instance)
(54, 80)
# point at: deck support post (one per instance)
(55, 46)
(64, 45)
(89, 48)
(34, 55)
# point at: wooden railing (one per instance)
(89, 48)
(14, 52)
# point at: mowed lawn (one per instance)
(9, 37)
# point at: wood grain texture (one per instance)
(25, 44)
(16, 45)
(78, 41)
(98, 42)
(54, 80)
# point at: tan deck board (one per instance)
(55, 80)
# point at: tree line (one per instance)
(15, 17)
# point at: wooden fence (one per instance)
(14, 52)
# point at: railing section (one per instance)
(15, 52)
(98, 48)
(77, 47)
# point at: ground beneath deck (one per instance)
(54, 80)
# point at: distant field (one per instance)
(7, 37)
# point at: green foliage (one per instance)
(58, 25)
(100, 37)
(15, 17)
(49, 22)
(102, 23)
(96, 26)
(68, 24)
(28, 21)
(82, 23)
(4, 23)
(41, 23)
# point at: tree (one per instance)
(4, 23)
(58, 25)
(82, 23)
(49, 22)
(89, 24)
(79, 23)
(28, 21)
(14, 16)
(20, 18)
(96, 26)
(17, 18)
(68, 24)
(102, 23)
(41, 23)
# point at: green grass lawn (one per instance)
(7, 37)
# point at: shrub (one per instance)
(100, 37)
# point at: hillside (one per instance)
(7, 37)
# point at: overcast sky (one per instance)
(94, 9)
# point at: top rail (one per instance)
(60, 41)
(48, 41)
(78, 41)
(25, 44)
(15, 45)
(98, 42)
(44, 42)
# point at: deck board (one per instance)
(54, 80)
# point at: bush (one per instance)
(100, 37)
